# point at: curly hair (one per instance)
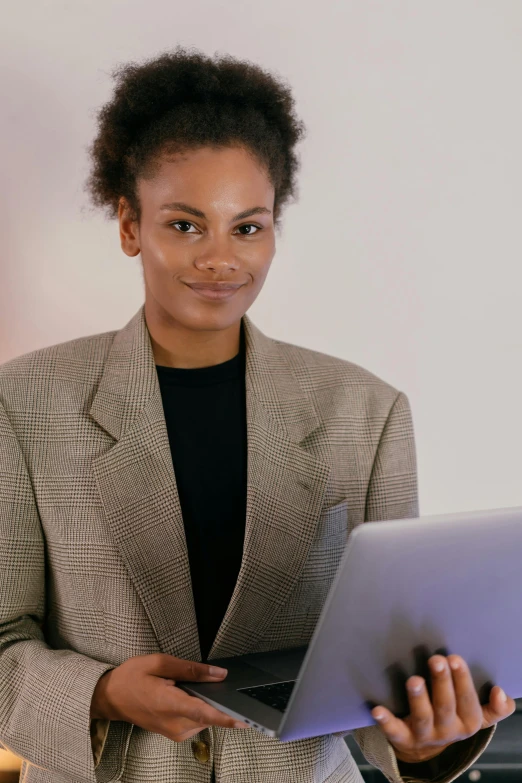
(184, 100)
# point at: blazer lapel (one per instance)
(135, 477)
(285, 492)
(138, 489)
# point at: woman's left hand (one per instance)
(454, 714)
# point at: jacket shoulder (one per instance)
(325, 367)
(326, 376)
(78, 362)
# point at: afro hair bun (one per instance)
(183, 100)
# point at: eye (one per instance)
(250, 225)
(245, 225)
(181, 222)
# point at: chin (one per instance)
(203, 320)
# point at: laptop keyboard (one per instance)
(276, 695)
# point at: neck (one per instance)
(174, 345)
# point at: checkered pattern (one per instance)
(93, 560)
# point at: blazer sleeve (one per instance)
(393, 494)
(46, 693)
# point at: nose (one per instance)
(218, 257)
(215, 263)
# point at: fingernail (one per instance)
(379, 716)
(503, 696)
(216, 671)
(240, 725)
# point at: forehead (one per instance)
(225, 177)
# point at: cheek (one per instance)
(264, 272)
(160, 256)
(161, 266)
(158, 277)
(260, 270)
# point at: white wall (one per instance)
(409, 212)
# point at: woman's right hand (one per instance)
(142, 691)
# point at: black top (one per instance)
(205, 414)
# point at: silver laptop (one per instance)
(404, 591)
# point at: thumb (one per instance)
(497, 709)
(172, 668)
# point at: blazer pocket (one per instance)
(332, 523)
(294, 622)
(326, 551)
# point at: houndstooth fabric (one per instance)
(93, 559)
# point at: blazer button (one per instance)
(201, 751)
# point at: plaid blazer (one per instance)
(93, 559)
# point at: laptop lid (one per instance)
(405, 590)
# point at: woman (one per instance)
(139, 541)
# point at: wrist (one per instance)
(419, 757)
(99, 709)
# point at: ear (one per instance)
(129, 229)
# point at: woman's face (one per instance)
(191, 234)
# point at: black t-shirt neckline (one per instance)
(205, 376)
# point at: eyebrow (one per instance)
(181, 206)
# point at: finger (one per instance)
(164, 665)
(186, 736)
(443, 697)
(204, 715)
(185, 729)
(394, 729)
(420, 719)
(468, 704)
(201, 672)
(498, 708)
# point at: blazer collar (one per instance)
(130, 381)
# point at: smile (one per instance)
(210, 293)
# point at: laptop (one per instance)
(404, 590)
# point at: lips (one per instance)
(215, 286)
(215, 291)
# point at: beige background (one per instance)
(403, 251)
